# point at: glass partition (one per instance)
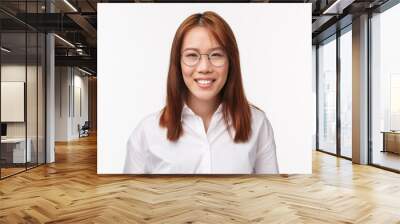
(32, 95)
(32, 72)
(22, 77)
(327, 96)
(41, 111)
(346, 93)
(385, 89)
(13, 109)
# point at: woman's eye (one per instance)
(191, 55)
(217, 55)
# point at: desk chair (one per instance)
(84, 130)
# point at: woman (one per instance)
(207, 125)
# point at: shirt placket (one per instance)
(206, 160)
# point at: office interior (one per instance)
(49, 98)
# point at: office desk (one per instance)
(391, 141)
(15, 148)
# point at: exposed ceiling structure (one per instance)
(75, 22)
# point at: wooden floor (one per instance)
(70, 191)
(387, 159)
(10, 171)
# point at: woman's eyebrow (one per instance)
(196, 49)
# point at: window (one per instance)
(327, 96)
(385, 89)
(346, 93)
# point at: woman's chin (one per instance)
(205, 96)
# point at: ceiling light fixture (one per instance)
(79, 51)
(70, 5)
(64, 40)
(84, 71)
(5, 50)
(337, 7)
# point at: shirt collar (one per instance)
(187, 111)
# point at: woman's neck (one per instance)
(204, 109)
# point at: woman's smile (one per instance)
(204, 83)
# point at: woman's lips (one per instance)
(204, 83)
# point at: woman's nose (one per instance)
(204, 64)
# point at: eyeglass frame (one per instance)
(208, 57)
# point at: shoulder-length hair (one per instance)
(236, 108)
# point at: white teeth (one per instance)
(204, 81)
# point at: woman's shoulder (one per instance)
(257, 114)
(155, 116)
(259, 117)
(146, 130)
(148, 123)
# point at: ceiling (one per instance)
(76, 22)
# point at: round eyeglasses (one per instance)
(192, 58)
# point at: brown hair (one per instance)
(235, 105)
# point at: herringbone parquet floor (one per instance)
(70, 191)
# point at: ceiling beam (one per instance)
(337, 7)
(86, 26)
(85, 61)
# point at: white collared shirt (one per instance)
(198, 151)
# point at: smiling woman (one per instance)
(207, 125)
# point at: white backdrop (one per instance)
(134, 42)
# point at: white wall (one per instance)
(79, 117)
(16, 72)
(68, 81)
(274, 41)
(61, 103)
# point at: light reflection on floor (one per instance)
(386, 159)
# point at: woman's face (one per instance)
(204, 64)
